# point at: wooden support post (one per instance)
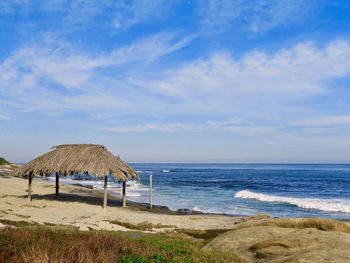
(57, 184)
(105, 193)
(124, 194)
(30, 178)
(150, 190)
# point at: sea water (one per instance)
(282, 190)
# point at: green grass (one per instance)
(16, 223)
(3, 161)
(33, 243)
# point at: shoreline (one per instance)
(115, 201)
(142, 206)
(82, 208)
(159, 208)
(222, 196)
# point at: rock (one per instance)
(7, 169)
(185, 211)
(84, 186)
(298, 222)
(253, 217)
(287, 240)
(5, 172)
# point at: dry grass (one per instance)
(51, 244)
(23, 245)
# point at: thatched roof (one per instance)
(67, 159)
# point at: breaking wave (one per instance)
(329, 205)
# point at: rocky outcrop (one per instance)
(7, 169)
(287, 240)
(297, 222)
(253, 218)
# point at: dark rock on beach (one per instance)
(85, 186)
(185, 211)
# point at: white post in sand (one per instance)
(150, 190)
(105, 193)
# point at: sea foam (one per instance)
(329, 205)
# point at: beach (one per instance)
(175, 131)
(82, 208)
(281, 190)
(208, 237)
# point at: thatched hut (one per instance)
(69, 159)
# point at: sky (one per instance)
(230, 81)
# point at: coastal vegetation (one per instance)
(3, 161)
(34, 243)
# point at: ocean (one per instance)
(282, 190)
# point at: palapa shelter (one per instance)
(69, 159)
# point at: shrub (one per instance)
(3, 161)
(52, 244)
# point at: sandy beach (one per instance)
(252, 239)
(80, 207)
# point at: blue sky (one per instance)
(177, 81)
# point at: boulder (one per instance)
(298, 222)
(287, 240)
(253, 217)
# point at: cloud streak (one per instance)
(259, 88)
(34, 77)
(325, 121)
(231, 125)
(254, 16)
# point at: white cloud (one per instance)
(148, 49)
(229, 121)
(35, 77)
(131, 13)
(325, 121)
(4, 117)
(230, 125)
(160, 127)
(259, 89)
(222, 82)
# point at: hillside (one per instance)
(3, 161)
